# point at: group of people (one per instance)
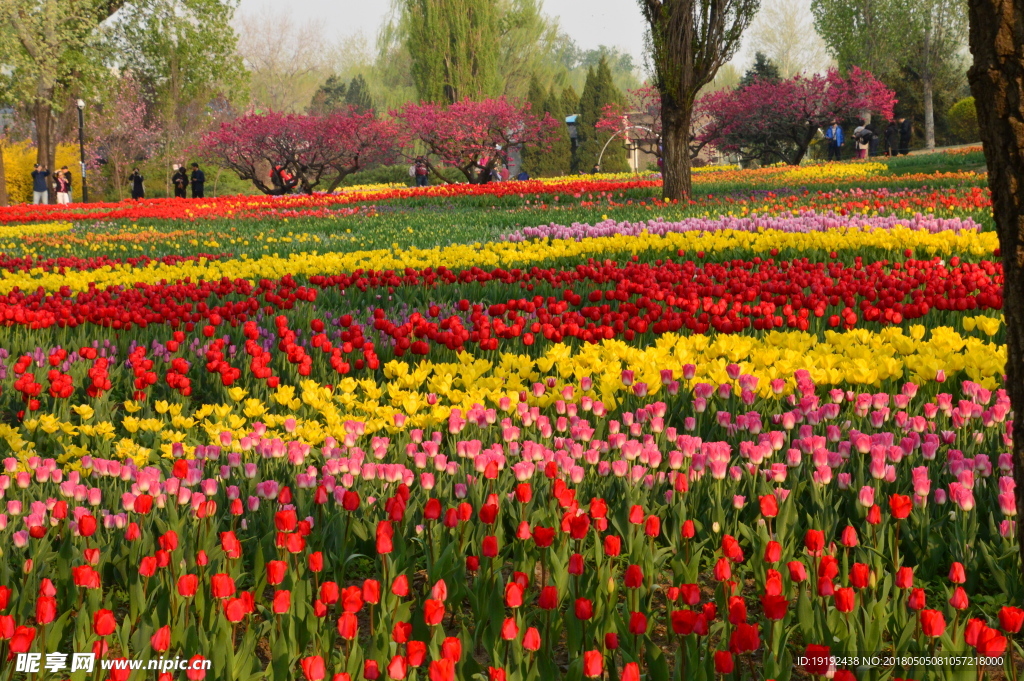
(420, 172)
(181, 181)
(895, 141)
(61, 183)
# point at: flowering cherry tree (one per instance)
(309, 150)
(123, 135)
(777, 121)
(473, 137)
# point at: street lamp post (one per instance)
(81, 147)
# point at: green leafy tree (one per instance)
(763, 69)
(690, 40)
(598, 92)
(454, 45)
(864, 33)
(50, 50)
(963, 120)
(183, 55)
(358, 94)
(329, 97)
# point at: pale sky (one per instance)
(616, 23)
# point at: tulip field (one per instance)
(524, 431)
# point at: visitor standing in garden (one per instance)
(180, 181)
(892, 139)
(136, 181)
(198, 180)
(420, 171)
(62, 181)
(862, 138)
(906, 131)
(834, 137)
(40, 192)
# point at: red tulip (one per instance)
(817, 659)
(235, 610)
(531, 639)
(489, 548)
(415, 653)
(722, 570)
(636, 514)
(315, 561)
(849, 537)
(87, 525)
(371, 670)
(385, 535)
(637, 623)
(397, 668)
(46, 609)
(583, 609)
(350, 500)
(737, 610)
(652, 526)
(348, 626)
(688, 530)
(524, 493)
(433, 612)
(509, 629)
(313, 668)
(631, 672)
(160, 641)
(548, 598)
(957, 574)
(874, 515)
(634, 577)
(5, 597)
(916, 600)
(451, 648)
(442, 670)
(276, 571)
(845, 599)
(905, 578)
(723, 662)
(593, 664)
(513, 595)
(352, 599)
(991, 643)
(611, 641)
(400, 586)
(1011, 619)
(769, 505)
(959, 599)
(933, 624)
(775, 606)
(744, 639)
(282, 601)
(900, 506)
(797, 571)
(103, 623)
(814, 541)
(371, 591)
(222, 586)
(543, 536)
(496, 674)
(772, 552)
(860, 575)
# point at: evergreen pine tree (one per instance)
(329, 97)
(533, 157)
(558, 161)
(598, 92)
(358, 94)
(763, 69)
(570, 101)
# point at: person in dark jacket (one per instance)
(198, 180)
(180, 181)
(892, 139)
(906, 132)
(40, 190)
(138, 189)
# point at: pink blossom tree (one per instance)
(473, 137)
(280, 152)
(772, 121)
(123, 133)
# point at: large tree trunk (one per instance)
(675, 131)
(997, 83)
(43, 116)
(929, 111)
